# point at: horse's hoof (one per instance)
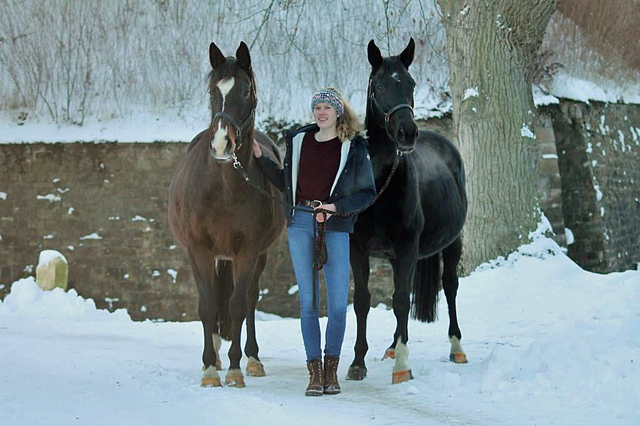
(210, 378)
(458, 358)
(235, 378)
(389, 353)
(401, 376)
(211, 382)
(356, 373)
(255, 368)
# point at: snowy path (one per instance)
(548, 344)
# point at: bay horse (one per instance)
(225, 225)
(416, 223)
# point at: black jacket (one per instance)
(353, 189)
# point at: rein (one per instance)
(319, 228)
(238, 166)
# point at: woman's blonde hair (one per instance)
(347, 124)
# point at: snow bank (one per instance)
(27, 300)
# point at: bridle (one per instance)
(387, 115)
(240, 127)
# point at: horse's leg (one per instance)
(243, 267)
(361, 305)
(451, 257)
(202, 266)
(403, 269)
(254, 366)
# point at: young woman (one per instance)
(326, 166)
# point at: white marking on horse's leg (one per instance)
(457, 354)
(255, 367)
(401, 372)
(456, 347)
(210, 378)
(402, 357)
(217, 344)
(235, 378)
(225, 87)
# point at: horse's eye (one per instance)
(379, 87)
(246, 93)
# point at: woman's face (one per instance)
(325, 116)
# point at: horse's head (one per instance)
(390, 96)
(232, 88)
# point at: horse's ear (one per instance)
(243, 56)
(215, 56)
(407, 54)
(375, 57)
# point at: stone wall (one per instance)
(104, 207)
(599, 159)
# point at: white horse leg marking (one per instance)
(210, 378)
(457, 354)
(255, 367)
(402, 356)
(219, 142)
(455, 345)
(401, 372)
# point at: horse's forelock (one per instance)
(229, 69)
(224, 72)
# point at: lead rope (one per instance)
(319, 228)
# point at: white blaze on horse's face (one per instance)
(220, 140)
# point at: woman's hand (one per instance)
(257, 151)
(320, 217)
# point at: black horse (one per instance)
(417, 221)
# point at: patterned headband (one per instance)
(330, 97)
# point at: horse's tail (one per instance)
(223, 288)
(426, 286)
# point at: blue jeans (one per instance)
(336, 273)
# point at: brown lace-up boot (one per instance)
(331, 385)
(315, 387)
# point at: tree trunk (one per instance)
(492, 47)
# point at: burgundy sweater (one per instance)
(318, 166)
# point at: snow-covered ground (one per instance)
(548, 344)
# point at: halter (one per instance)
(239, 127)
(387, 115)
